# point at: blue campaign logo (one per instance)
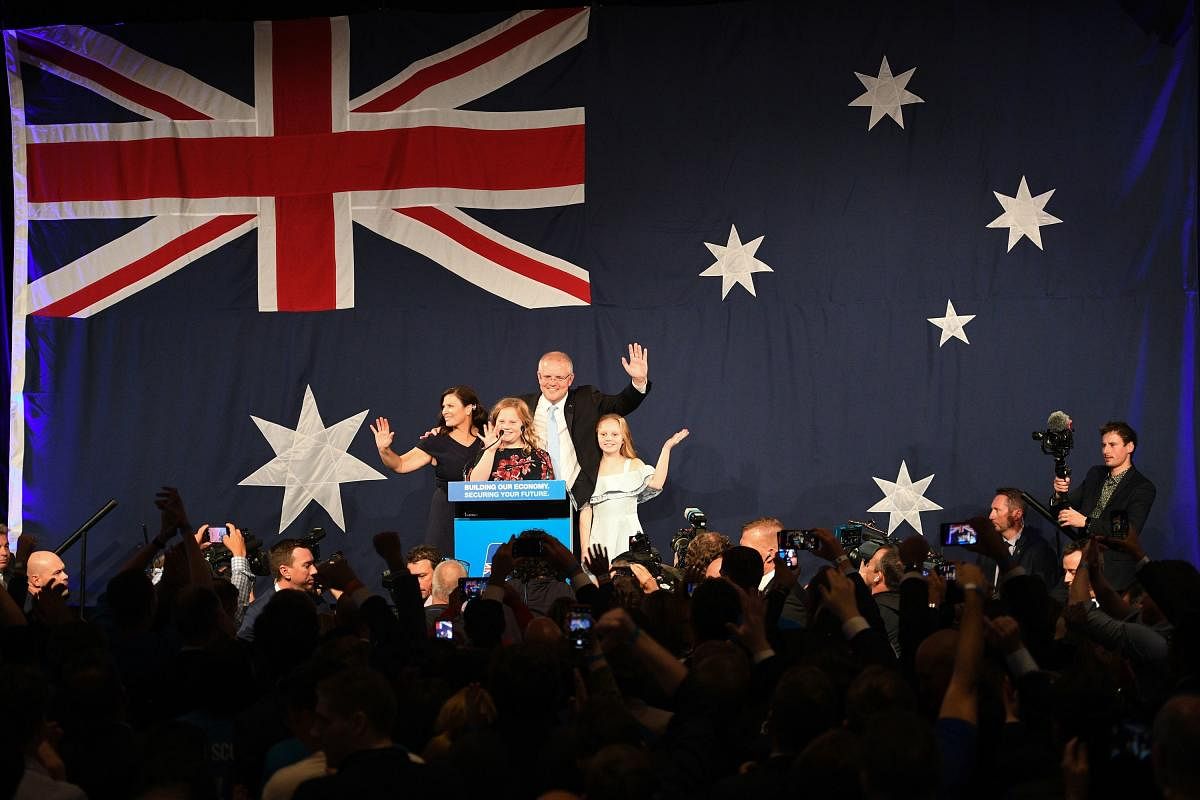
(491, 553)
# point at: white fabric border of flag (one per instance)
(20, 267)
(468, 264)
(474, 120)
(139, 131)
(489, 76)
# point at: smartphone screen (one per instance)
(472, 587)
(1119, 524)
(958, 534)
(444, 629)
(217, 532)
(579, 627)
(790, 556)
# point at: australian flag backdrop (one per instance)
(869, 246)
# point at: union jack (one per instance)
(303, 162)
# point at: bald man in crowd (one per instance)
(445, 581)
(45, 569)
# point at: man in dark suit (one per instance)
(565, 418)
(292, 567)
(1025, 544)
(1114, 486)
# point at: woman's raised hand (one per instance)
(383, 433)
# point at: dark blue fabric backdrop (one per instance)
(699, 119)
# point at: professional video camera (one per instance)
(313, 542)
(697, 522)
(642, 552)
(861, 540)
(1057, 441)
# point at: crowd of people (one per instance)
(1019, 672)
(719, 676)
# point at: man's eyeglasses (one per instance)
(553, 378)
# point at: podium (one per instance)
(487, 513)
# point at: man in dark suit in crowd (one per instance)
(292, 567)
(1025, 543)
(565, 418)
(1115, 486)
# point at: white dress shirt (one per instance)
(566, 448)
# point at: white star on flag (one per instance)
(904, 500)
(735, 263)
(1024, 215)
(953, 325)
(311, 462)
(886, 94)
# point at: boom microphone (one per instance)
(1059, 421)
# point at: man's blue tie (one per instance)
(552, 441)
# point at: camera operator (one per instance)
(292, 567)
(1114, 486)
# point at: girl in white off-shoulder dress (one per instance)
(610, 518)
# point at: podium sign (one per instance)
(487, 513)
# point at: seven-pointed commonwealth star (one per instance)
(904, 500)
(885, 94)
(735, 263)
(1024, 215)
(311, 462)
(953, 324)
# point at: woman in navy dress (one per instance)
(453, 447)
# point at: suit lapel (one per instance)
(569, 412)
